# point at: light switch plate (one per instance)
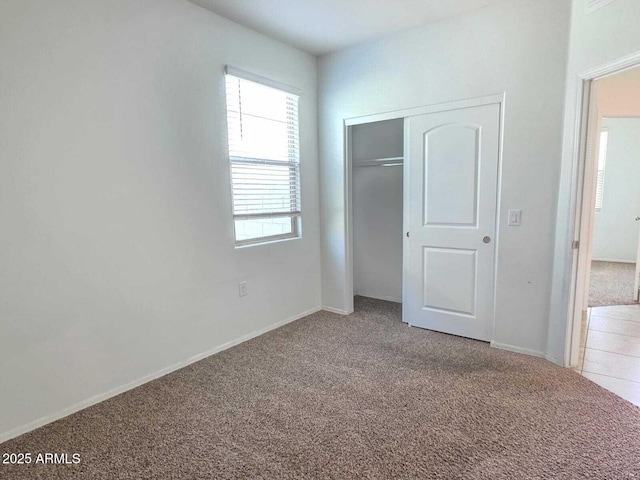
(515, 216)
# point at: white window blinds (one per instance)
(264, 155)
(602, 161)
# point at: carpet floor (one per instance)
(611, 283)
(361, 396)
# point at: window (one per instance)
(602, 160)
(262, 125)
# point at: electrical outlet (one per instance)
(242, 288)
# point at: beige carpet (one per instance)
(362, 396)
(611, 283)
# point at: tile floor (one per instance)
(611, 356)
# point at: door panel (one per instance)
(451, 148)
(451, 193)
(449, 280)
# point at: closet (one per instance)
(428, 240)
(377, 152)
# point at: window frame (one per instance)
(294, 166)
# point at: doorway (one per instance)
(614, 251)
(377, 156)
(608, 266)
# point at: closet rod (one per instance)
(379, 162)
(399, 164)
(380, 159)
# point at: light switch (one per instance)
(514, 218)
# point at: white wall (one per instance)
(596, 40)
(116, 249)
(518, 47)
(615, 231)
(377, 211)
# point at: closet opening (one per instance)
(375, 164)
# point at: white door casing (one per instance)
(636, 286)
(451, 167)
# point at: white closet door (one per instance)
(451, 193)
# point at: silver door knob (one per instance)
(637, 218)
(486, 239)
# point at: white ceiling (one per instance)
(322, 26)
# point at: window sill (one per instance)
(266, 242)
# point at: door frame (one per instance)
(499, 99)
(582, 197)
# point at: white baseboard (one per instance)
(615, 260)
(337, 310)
(553, 359)
(381, 297)
(15, 432)
(525, 351)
